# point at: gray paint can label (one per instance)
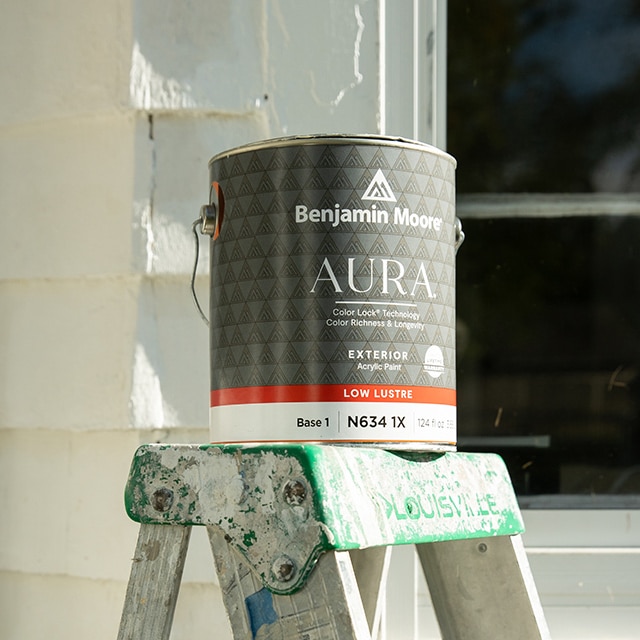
(332, 298)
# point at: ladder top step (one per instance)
(282, 505)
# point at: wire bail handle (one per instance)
(459, 234)
(209, 225)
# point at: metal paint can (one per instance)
(332, 293)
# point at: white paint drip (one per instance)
(149, 89)
(147, 407)
(143, 207)
(146, 224)
(356, 59)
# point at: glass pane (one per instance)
(549, 350)
(544, 96)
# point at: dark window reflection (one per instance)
(544, 96)
(549, 350)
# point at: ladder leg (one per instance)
(328, 607)
(371, 567)
(154, 583)
(483, 589)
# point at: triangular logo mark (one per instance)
(379, 189)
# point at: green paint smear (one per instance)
(249, 538)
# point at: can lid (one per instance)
(338, 138)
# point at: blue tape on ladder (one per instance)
(260, 608)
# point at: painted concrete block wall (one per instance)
(68, 302)
(110, 113)
(64, 59)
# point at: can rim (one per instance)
(339, 138)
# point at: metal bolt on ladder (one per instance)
(300, 537)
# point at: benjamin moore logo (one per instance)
(379, 189)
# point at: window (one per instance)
(543, 117)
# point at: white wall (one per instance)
(110, 112)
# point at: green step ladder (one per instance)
(301, 536)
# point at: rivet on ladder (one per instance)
(295, 492)
(162, 499)
(283, 568)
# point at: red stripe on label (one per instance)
(333, 393)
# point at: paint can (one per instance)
(332, 292)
